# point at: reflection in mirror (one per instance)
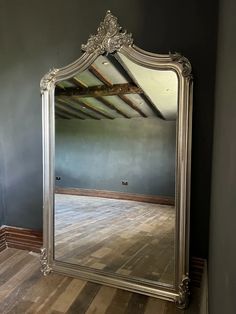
(115, 153)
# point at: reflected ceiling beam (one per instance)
(99, 76)
(77, 82)
(132, 105)
(100, 90)
(128, 77)
(60, 87)
(68, 110)
(61, 115)
(112, 107)
(69, 105)
(105, 102)
(117, 65)
(66, 113)
(91, 107)
(105, 81)
(152, 106)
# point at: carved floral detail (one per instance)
(186, 65)
(109, 37)
(45, 269)
(183, 298)
(48, 79)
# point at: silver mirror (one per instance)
(117, 147)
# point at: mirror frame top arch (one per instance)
(110, 38)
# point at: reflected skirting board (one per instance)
(164, 200)
(20, 238)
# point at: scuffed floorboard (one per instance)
(24, 290)
(88, 231)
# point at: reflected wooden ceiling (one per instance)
(104, 91)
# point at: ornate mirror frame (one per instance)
(110, 39)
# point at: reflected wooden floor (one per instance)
(125, 237)
(23, 290)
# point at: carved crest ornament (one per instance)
(111, 37)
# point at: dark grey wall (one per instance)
(222, 253)
(2, 205)
(37, 35)
(95, 154)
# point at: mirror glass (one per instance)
(115, 160)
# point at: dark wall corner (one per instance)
(222, 253)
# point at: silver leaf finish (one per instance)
(183, 298)
(45, 269)
(186, 65)
(47, 80)
(109, 37)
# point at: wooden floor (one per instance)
(24, 290)
(125, 237)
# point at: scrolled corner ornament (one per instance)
(183, 298)
(109, 37)
(47, 80)
(45, 269)
(186, 65)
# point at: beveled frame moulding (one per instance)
(110, 38)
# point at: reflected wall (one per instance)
(115, 165)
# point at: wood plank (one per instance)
(102, 300)
(8, 257)
(170, 308)
(61, 116)
(14, 303)
(17, 279)
(2, 239)
(27, 291)
(77, 82)
(43, 288)
(45, 307)
(28, 239)
(128, 77)
(66, 102)
(21, 307)
(155, 306)
(105, 81)
(152, 106)
(99, 76)
(117, 195)
(143, 232)
(113, 107)
(85, 298)
(23, 231)
(99, 90)
(119, 302)
(137, 304)
(67, 111)
(132, 105)
(196, 270)
(66, 299)
(95, 109)
(16, 265)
